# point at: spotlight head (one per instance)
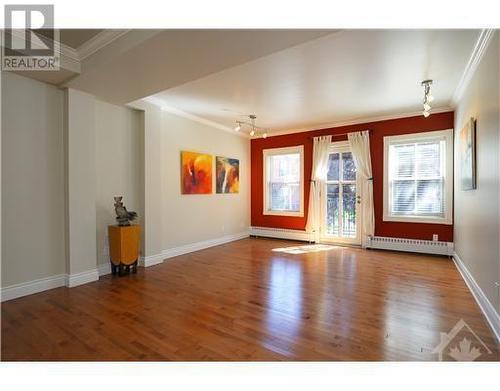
(237, 127)
(264, 135)
(252, 133)
(426, 113)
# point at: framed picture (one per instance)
(227, 175)
(196, 173)
(467, 145)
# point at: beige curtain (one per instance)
(318, 178)
(360, 147)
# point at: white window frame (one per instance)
(267, 153)
(340, 147)
(446, 135)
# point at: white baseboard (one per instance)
(488, 309)
(35, 286)
(104, 269)
(281, 233)
(189, 248)
(151, 260)
(81, 278)
(43, 284)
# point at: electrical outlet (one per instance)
(435, 237)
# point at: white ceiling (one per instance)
(73, 37)
(339, 77)
(144, 62)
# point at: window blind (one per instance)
(284, 182)
(417, 178)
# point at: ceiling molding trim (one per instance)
(477, 54)
(201, 120)
(68, 56)
(99, 41)
(359, 121)
(69, 52)
(180, 113)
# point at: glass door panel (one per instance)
(340, 200)
(332, 209)
(349, 210)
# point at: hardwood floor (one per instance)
(244, 301)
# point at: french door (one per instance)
(340, 200)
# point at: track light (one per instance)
(254, 129)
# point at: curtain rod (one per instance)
(337, 134)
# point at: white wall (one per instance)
(32, 180)
(80, 166)
(477, 212)
(64, 156)
(118, 167)
(153, 167)
(190, 219)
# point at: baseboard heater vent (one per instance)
(411, 245)
(280, 233)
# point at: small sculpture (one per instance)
(123, 216)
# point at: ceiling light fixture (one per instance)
(428, 98)
(254, 129)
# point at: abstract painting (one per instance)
(196, 173)
(468, 156)
(227, 175)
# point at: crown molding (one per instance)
(201, 120)
(359, 121)
(477, 54)
(180, 113)
(99, 41)
(71, 57)
(68, 56)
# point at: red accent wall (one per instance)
(379, 130)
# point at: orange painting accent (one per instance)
(227, 175)
(196, 172)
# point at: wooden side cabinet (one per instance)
(124, 244)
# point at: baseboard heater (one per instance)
(411, 245)
(280, 233)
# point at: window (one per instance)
(418, 179)
(340, 194)
(283, 181)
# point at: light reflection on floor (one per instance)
(284, 312)
(310, 248)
